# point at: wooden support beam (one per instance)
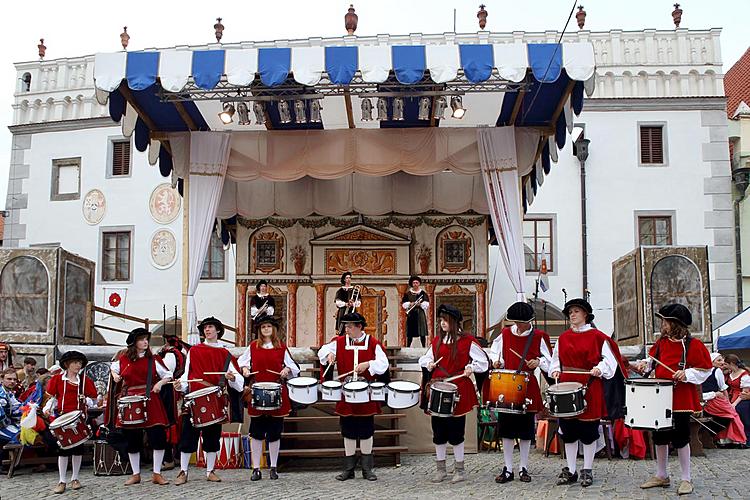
(433, 121)
(130, 98)
(559, 108)
(348, 104)
(185, 116)
(516, 107)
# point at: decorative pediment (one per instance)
(361, 233)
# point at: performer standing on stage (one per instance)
(689, 365)
(457, 354)
(416, 302)
(143, 374)
(345, 300)
(261, 302)
(521, 340)
(357, 419)
(208, 356)
(583, 348)
(270, 358)
(173, 354)
(67, 392)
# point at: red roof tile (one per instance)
(737, 83)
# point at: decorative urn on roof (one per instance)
(677, 15)
(124, 38)
(482, 16)
(219, 28)
(581, 17)
(350, 20)
(42, 48)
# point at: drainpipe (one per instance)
(582, 153)
(741, 178)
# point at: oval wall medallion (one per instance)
(163, 249)
(94, 207)
(164, 203)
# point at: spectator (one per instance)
(6, 356)
(10, 408)
(738, 380)
(26, 375)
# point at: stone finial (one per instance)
(482, 16)
(124, 38)
(677, 15)
(42, 48)
(219, 28)
(581, 17)
(350, 20)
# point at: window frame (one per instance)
(664, 143)
(55, 194)
(552, 251)
(131, 253)
(215, 237)
(649, 214)
(111, 141)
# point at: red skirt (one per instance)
(721, 407)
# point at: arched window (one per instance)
(676, 278)
(24, 286)
(26, 82)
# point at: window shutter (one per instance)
(652, 145)
(121, 158)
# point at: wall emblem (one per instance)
(375, 261)
(163, 249)
(94, 207)
(164, 203)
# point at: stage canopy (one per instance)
(352, 124)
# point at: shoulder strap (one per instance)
(526, 350)
(227, 362)
(647, 373)
(149, 376)
(687, 341)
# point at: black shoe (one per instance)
(504, 476)
(566, 477)
(348, 472)
(524, 476)
(273, 474)
(368, 462)
(256, 475)
(587, 477)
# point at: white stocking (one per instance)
(350, 447)
(273, 450)
(684, 455)
(365, 446)
(256, 448)
(525, 447)
(62, 468)
(589, 450)
(571, 455)
(158, 459)
(441, 450)
(210, 462)
(458, 452)
(662, 452)
(135, 462)
(76, 466)
(508, 445)
(184, 461)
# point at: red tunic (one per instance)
(345, 364)
(134, 374)
(269, 359)
(204, 358)
(512, 362)
(735, 388)
(455, 365)
(685, 397)
(66, 393)
(583, 351)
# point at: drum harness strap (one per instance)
(223, 380)
(149, 380)
(525, 351)
(79, 391)
(682, 364)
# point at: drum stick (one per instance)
(577, 372)
(451, 379)
(662, 364)
(345, 375)
(514, 352)
(191, 380)
(214, 373)
(704, 425)
(327, 368)
(271, 371)
(251, 374)
(438, 360)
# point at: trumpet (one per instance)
(415, 304)
(261, 310)
(350, 309)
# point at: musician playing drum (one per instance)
(133, 369)
(361, 353)
(261, 304)
(66, 394)
(173, 354)
(457, 354)
(345, 300)
(208, 356)
(416, 303)
(583, 348)
(688, 363)
(271, 361)
(521, 340)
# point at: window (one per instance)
(655, 230)
(213, 266)
(537, 242)
(120, 158)
(652, 144)
(66, 179)
(116, 257)
(23, 296)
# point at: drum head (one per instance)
(357, 385)
(332, 384)
(444, 386)
(267, 385)
(649, 381)
(302, 382)
(201, 392)
(377, 385)
(131, 399)
(564, 387)
(65, 419)
(403, 386)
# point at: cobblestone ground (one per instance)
(721, 474)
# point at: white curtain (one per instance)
(209, 155)
(498, 159)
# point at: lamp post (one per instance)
(581, 150)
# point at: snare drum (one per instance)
(648, 403)
(403, 394)
(507, 393)
(206, 406)
(303, 390)
(377, 391)
(357, 391)
(132, 410)
(266, 396)
(331, 390)
(566, 399)
(442, 399)
(70, 429)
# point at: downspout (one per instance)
(582, 153)
(741, 178)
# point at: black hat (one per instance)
(354, 317)
(265, 318)
(583, 304)
(258, 284)
(450, 311)
(343, 276)
(138, 332)
(69, 356)
(520, 312)
(676, 312)
(211, 321)
(413, 278)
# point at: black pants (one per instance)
(266, 427)
(579, 430)
(157, 438)
(357, 427)
(409, 340)
(448, 430)
(516, 425)
(190, 435)
(679, 435)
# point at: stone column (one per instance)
(291, 318)
(430, 289)
(320, 318)
(241, 314)
(481, 309)
(401, 290)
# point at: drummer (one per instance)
(457, 354)
(689, 365)
(66, 395)
(583, 348)
(520, 340)
(270, 358)
(133, 369)
(208, 356)
(357, 419)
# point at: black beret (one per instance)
(134, 334)
(520, 312)
(343, 276)
(73, 356)
(265, 318)
(583, 304)
(450, 311)
(676, 312)
(261, 282)
(212, 321)
(414, 277)
(354, 317)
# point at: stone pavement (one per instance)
(721, 474)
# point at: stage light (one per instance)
(366, 109)
(284, 115)
(227, 113)
(457, 107)
(398, 108)
(440, 105)
(300, 111)
(260, 112)
(242, 114)
(382, 109)
(315, 108)
(424, 108)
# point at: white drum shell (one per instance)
(403, 394)
(377, 391)
(356, 392)
(303, 390)
(648, 404)
(331, 390)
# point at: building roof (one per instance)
(737, 84)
